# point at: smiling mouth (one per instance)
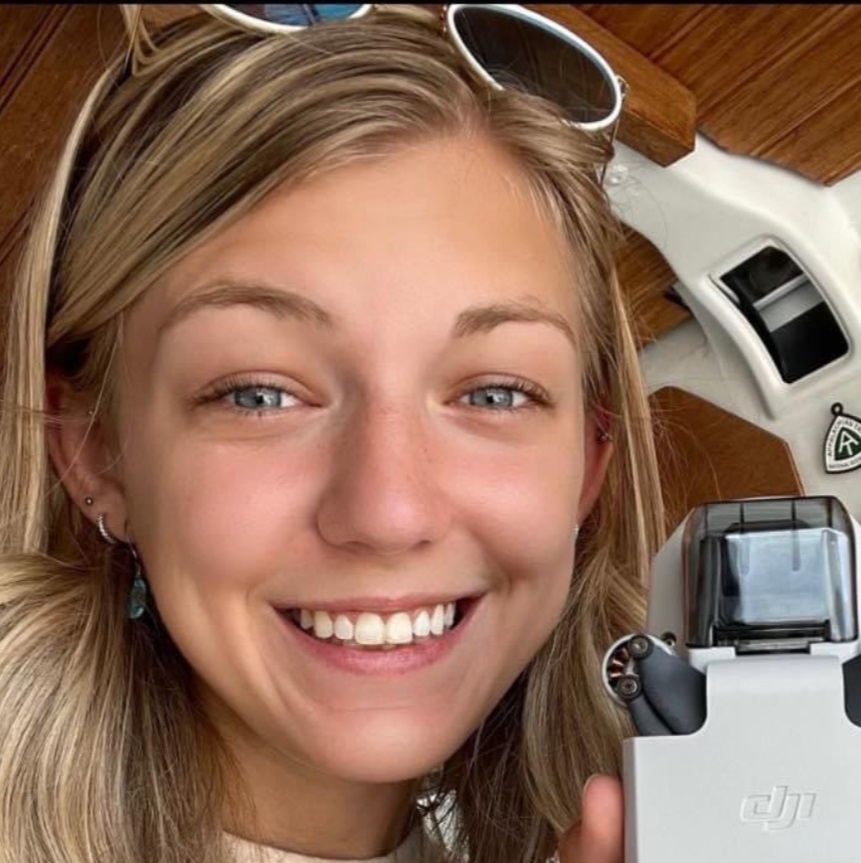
(370, 631)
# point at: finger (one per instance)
(599, 836)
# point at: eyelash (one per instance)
(539, 396)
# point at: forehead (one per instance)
(414, 235)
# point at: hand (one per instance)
(598, 837)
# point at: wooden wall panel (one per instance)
(20, 27)
(733, 44)
(706, 454)
(8, 264)
(160, 15)
(823, 66)
(827, 146)
(24, 33)
(42, 108)
(645, 276)
(58, 62)
(648, 28)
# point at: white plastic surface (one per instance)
(774, 775)
(710, 210)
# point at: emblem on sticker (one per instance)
(843, 442)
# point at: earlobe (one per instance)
(597, 452)
(80, 456)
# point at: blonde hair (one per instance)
(104, 752)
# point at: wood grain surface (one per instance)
(707, 454)
(647, 27)
(54, 54)
(646, 277)
(63, 55)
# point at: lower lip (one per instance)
(376, 661)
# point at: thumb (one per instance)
(599, 835)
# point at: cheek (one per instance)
(525, 513)
(525, 505)
(220, 516)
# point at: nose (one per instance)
(382, 496)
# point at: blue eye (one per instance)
(496, 397)
(514, 395)
(259, 397)
(249, 398)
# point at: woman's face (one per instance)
(354, 408)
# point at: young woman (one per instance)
(328, 473)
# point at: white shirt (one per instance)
(410, 851)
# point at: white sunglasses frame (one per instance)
(618, 86)
(524, 14)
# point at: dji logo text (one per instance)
(778, 810)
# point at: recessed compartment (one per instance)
(787, 310)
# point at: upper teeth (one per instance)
(401, 627)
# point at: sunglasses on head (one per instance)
(505, 45)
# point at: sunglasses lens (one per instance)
(299, 14)
(525, 55)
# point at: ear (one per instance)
(85, 463)
(597, 449)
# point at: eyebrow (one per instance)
(275, 301)
(290, 305)
(482, 319)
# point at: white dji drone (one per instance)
(748, 702)
(746, 687)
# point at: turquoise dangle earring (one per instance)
(138, 592)
(136, 603)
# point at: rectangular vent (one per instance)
(787, 311)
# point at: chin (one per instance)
(385, 748)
